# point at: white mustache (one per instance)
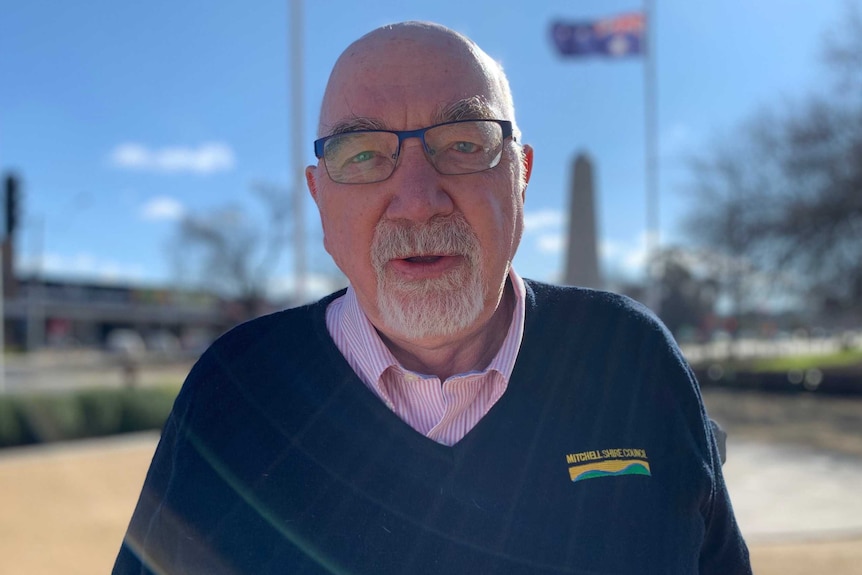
(442, 235)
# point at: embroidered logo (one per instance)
(607, 463)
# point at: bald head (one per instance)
(411, 78)
(395, 68)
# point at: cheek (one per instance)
(341, 242)
(508, 213)
(347, 233)
(512, 229)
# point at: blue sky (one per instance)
(122, 116)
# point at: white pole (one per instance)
(3, 319)
(651, 157)
(296, 84)
(35, 309)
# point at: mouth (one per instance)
(425, 266)
(422, 259)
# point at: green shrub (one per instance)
(102, 410)
(146, 408)
(52, 417)
(42, 418)
(12, 430)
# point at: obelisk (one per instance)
(582, 257)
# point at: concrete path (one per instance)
(785, 493)
(65, 506)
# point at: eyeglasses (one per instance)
(453, 148)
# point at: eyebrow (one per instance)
(472, 108)
(356, 124)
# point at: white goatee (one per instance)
(440, 306)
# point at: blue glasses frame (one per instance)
(505, 127)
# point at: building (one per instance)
(62, 313)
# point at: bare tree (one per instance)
(785, 193)
(689, 289)
(229, 252)
(842, 51)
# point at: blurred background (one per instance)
(704, 158)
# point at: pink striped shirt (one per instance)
(443, 412)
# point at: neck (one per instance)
(472, 350)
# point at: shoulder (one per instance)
(285, 329)
(605, 327)
(260, 356)
(570, 303)
(261, 345)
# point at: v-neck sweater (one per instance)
(598, 459)
(443, 411)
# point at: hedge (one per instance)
(41, 418)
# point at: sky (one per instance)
(123, 117)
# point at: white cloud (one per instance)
(538, 221)
(162, 208)
(609, 249)
(82, 266)
(551, 243)
(207, 158)
(634, 260)
(625, 258)
(546, 228)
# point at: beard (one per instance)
(431, 307)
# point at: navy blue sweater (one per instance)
(597, 459)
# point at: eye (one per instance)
(466, 147)
(362, 157)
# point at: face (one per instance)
(427, 254)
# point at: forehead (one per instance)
(409, 78)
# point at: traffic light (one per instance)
(12, 190)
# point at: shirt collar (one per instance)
(372, 357)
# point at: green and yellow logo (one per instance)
(607, 463)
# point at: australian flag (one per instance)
(615, 37)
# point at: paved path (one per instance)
(65, 506)
(783, 493)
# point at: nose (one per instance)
(417, 192)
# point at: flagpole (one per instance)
(651, 158)
(612, 37)
(298, 140)
(3, 281)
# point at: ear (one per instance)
(527, 163)
(311, 182)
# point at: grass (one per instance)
(841, 359)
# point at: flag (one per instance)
(616, 37)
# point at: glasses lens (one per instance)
(360, 157)
(465, 147)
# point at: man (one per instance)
(441, 415)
